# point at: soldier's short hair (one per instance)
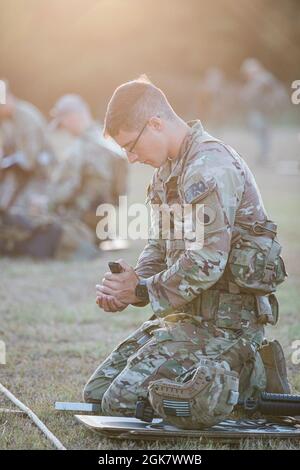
(132, 103)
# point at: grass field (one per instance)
(56, 336)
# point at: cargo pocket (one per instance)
(135, 341)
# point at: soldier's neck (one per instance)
(178, 130)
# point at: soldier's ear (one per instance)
(156, 123)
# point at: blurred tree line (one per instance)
(51, 47)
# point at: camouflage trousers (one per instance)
(168, 348)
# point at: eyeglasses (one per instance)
(136, 140)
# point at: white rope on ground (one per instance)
(34, 418)
(9, 410)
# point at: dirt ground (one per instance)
(56, 336)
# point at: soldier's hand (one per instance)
(109, 304)
(121, 286)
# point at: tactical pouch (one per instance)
(267, 309)
(226, 310)
(254, 261)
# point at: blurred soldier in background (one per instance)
(211, 95)
(262, 96)
(25, 153)
(91, 170)
(26, 227)
(44, 236)
(215, 95)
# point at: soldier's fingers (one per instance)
(111, 284)
(108, 275)
(99, 301)
(98, 291)
(108, 302)
(114, 277)
(100, 287)
(106, 290)
(106, 306)
(114, 305)
(102, 301)
(120, 276)
(117, 303)
(100, 297)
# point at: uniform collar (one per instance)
(195, 134)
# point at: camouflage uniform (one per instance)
(86, 176)
(44, 236)
(23, 139)
(198, 312)
(25, 132)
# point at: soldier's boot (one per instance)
(275, 366)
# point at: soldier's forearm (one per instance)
(183, 282)
(151, 261)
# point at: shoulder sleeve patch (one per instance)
(198, 190)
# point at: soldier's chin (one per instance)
(148, 162)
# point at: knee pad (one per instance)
(112, 405)
(205, 398)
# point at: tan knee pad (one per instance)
(207, 398)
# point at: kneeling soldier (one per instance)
(200, 352)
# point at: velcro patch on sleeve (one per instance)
(198, 190)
